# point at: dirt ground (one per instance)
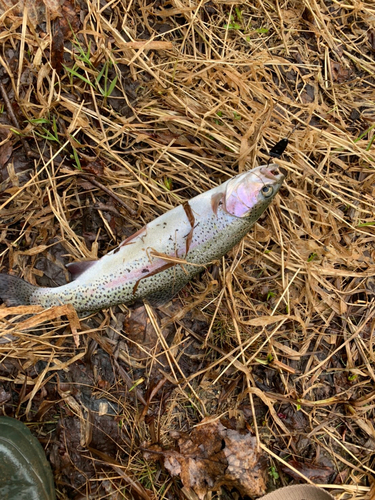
(114, 112)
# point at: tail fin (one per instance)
(15, 291)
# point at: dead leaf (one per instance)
(16, 8)
(54, 8)
(317, 473)
(214, 456)
(340, 74)
(57, 52)
(5, 153)
(95, 167)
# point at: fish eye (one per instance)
(267, 191)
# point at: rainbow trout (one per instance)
(158, 260)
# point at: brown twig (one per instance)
(12, 116)
(109, 192)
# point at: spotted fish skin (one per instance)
(157, 261)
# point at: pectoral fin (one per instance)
(77, 268)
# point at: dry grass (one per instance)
(198, 92)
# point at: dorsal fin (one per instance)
(77, 268)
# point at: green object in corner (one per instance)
(25, 473)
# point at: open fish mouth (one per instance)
(272, 172)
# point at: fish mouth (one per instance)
(273, 172)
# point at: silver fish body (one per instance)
(157, 261)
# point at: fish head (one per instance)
(250, 193)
